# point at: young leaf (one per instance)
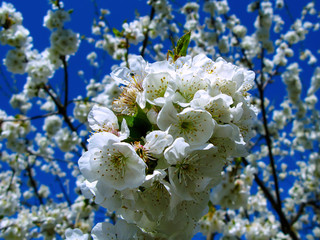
(141, 125)
(138, 124)
(182, 45)
(116, 32)
(170, 53)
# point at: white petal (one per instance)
(123, 167)
(141, 100)
(162, 66)
(236, 112)
(188, 84)
(195, 126)
(125, 132)
(201, 60)
(192, 170)
(87, 189)
(176, 151)
(137, 64)
(121, 75)
(100, 140)
(104, 189)
(157, 175)
(223, 69)
(103, 231)
(156, 141)
(112, 203)
(167, 116)
(85, 167)
(155, 86)
(227, 100)
(125, 230)
(223, 130)
(201, 100)
(102, 117)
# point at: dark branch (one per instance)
(63, 111)
(146, 35)
(126, 55)
(266, 129)
(66, 79)
(29, 118)
(11, 179)
(286, 227)
(33, 183)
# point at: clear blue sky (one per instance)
(81, 20)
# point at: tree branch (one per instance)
(285, 225)
(66, 196)
(146, 35)
(298, 215)
(11, 179)
(126, 55)
(63, 111)
(66, 79)
(266, 129)
(29, 118)
(33, 183)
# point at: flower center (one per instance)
(118, 160)
(186, 127)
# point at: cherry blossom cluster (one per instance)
(155, 157)
(21, 59)
(172, 150)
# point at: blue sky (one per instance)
(81, 20)
(121, 10)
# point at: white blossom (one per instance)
(113, 163)
(64, 41)
(192, 169)
(102, 119)
(75, 234)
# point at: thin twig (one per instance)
(6, 81)
(33, 183)
(11, 179)
(266, 129)
(298, 215)
(66, 196)
(126, 55)
(66, 79)
(62, 110)
(29, 118)
(83, 100)
(288, 12)
(210, 236)
(49, 158)
(97, 13)
(286, 227)
(146, 35)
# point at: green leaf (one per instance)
(117, 32)
(56, 2)
(182, 45)
(138, 124)
(129, 120)
(238, 161)
(141, 125)
(170, 53)
(172, 41)
(70, 11)
(136, 13)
